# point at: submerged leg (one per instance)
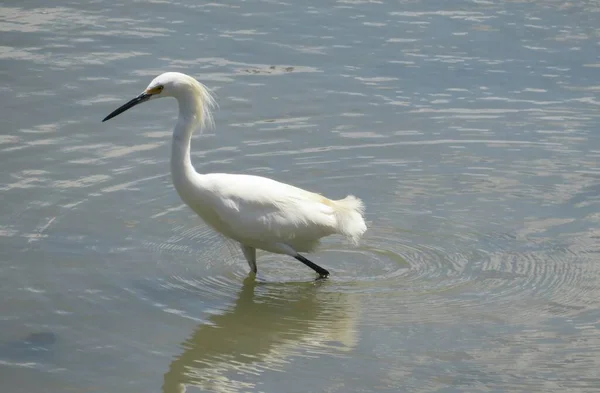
(250, 254)
(322, 272)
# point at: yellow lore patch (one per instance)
(154, 90)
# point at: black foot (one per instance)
(322, 272)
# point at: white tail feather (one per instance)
(348, 214)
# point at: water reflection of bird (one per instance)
(258, 212)
(260, 333)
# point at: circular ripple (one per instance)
(391, 260)
(556, 279)
(406, 262)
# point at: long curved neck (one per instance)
(182, 170)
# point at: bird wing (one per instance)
(267, 210)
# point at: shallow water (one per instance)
(469, 129)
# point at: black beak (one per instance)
(137, 100)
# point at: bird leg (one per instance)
(322, 272)
(250, 254)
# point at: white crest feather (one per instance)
(206, 103)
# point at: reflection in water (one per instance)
(268, 324)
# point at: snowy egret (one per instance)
(257, 212)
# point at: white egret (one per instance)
(257, 212)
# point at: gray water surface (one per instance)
(469, 128)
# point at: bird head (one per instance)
(180, 86)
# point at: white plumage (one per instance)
(258, 212)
